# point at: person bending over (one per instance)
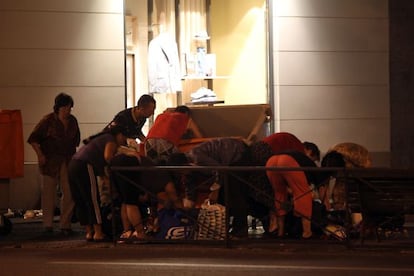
(88, 163)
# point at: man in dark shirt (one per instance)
(54, 139)
(134, 118)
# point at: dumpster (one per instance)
(248, 122)
(244, 121)
(11, 144)
(12, 157)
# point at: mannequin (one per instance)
(164, 70)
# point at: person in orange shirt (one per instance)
(165, 134)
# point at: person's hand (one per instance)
(41, 159)
(132, 143)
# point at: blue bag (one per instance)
(175, 224)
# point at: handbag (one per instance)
(211, 222)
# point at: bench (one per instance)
(383, 196)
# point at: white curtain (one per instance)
(163, 17)
(193, 20)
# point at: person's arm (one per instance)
(41, 158)
(192, 126)
(141, 137)
(36, 137)
(110, 150)
(78, 135)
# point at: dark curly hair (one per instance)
(62, 99)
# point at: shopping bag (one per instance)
(175, 224)
(211, 223)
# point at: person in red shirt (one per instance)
(261, 151)
(165, 134)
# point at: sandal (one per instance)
(125, 236)
(89, 237)
(138, 237)
(103, 239)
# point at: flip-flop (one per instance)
(104, 239)
(89, 237)
(125, 236)
(137, 238)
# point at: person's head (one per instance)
(183, 109)
(120, 134)
(146, 105)
(333, 159)
(355, 155)
(63, 100)
(312, 151)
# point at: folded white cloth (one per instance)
(204, 99)
(203, 92)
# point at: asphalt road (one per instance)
(106, 259)
(28, 251)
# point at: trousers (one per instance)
(49, 195)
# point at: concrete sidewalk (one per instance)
(29, 233)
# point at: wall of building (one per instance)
(331, 76)
(402, 82)
(50, 46)
(138, 9)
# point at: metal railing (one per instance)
(226, 171)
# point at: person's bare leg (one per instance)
(272, 222)
(307, 230)
(98, 235)
(134, 217)
(89, 232)
(126, 225)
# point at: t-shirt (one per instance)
(169, 126)
(219, 151)
(125, 119)
(93, 152)
(282, 141)
(152, 181)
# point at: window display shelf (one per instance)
(195, 77)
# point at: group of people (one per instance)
(55, 140)
(266, 192)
